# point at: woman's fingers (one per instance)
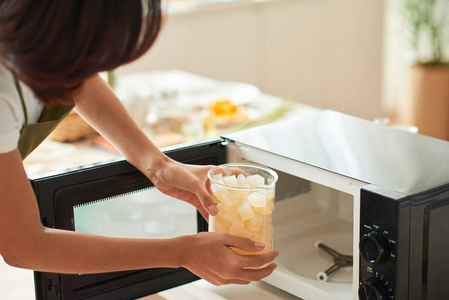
(209, 255)
(252, 269)
(208, 203)
(256, 261)
(258, 274)
(241, 276)
(245, 244)
(199, 184)
(201, 191)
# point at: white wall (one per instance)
(396, 60)
(326, 53)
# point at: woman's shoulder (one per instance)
(10, 96)
(7, 85)
(11, 112)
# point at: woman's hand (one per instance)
(99, 106)
(185, 182)
(209, 256)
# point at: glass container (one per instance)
(244, 195)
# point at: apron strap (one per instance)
(31, 135)
(22, 100)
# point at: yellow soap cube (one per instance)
(239, 229)
(245, 211)
(231, 215)
(255, 180)
(217, 177)
(230, 180)
(255, 223)
(218, 191)
(241, 179)
(267, 191)
(229, 200)
(221, 227)
(257, 200)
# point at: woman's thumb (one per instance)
(204, 194)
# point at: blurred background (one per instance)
(373, 59)
(224, 65)
(326, 53)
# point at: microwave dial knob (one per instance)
(373, 289)
(374, 247)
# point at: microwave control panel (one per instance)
(379, 232)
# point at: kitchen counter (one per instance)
(18, 284)
(136, 92)
(202, 290)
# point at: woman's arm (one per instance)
(99, 106)
(25, 243)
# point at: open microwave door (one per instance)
(115, 199)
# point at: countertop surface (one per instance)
(18, 284)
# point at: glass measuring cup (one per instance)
(244, 195)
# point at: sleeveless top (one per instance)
(32, 135)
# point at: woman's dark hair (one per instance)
(54, 45)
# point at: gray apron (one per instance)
(32, 135)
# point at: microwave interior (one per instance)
(312, 231)
(313, 223)
(316, 227)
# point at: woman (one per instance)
(52, 51)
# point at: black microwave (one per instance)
(373, 194)
(114, 199)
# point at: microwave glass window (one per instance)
(145, 213)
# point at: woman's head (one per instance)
(54, 45)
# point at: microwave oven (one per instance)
(361, 211)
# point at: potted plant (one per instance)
(426, 102)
